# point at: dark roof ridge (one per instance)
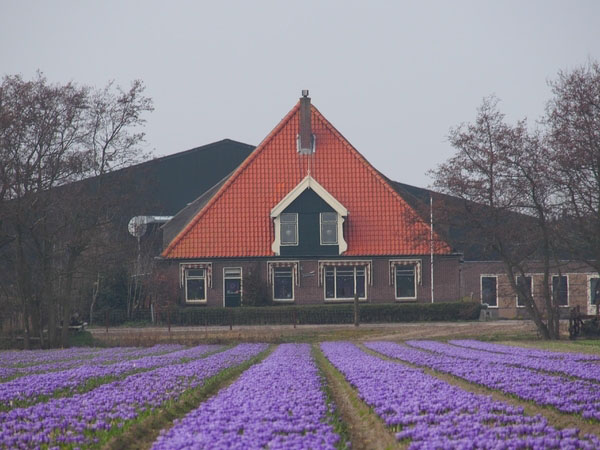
(177, 155)
(195, 149)
(184, 216)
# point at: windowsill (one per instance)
(195, 302)
(283, 300)
(406, 299)
(343, 300)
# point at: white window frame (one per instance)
(335, 297)
(481, 277)
(284, 300)
(185, 284)
(591, 309)
(337, 218)
(517, 296)
(402, 267)
(281, 234)
(568, 288)
(241, 278)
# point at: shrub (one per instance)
(591, 328)
(327, 314)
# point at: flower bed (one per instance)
(434, 414)
(98, 356)
(11, 358)
(571, 367)
(570, 396)
(523, 351)
(278, 403)
(74, 420)
(32, 386)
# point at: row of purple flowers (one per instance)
(523, 351)
(73, 421)
(10, 358)
(566, 395)
(434, 414)
(65, 361)
(31, 387)
(585, 370)
(277, 404)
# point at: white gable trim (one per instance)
(309, 183)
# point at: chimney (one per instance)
(305, 138)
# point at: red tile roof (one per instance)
(236, 222)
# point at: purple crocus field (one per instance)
(277, 404)
(567, 366)
(566, 395)
(72, 420)
(66, 359)
(32, 386)
(280, 402)
(436, 415)
(522, 351)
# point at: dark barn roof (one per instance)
(168, 184)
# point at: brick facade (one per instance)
(578, 276)
(308, 290)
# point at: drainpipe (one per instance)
(431, 240)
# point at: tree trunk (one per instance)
(95, 292)
(66, 298)
(23, 285)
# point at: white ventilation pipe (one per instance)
(138, 225)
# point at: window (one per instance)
(406, 286)
(594, 290)
(489, 291)
(283, 284)
(560, 290)
(523, 284)
(289, 228)
(329, 228)
(343, 282)
(195, 285)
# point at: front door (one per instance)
(232, 278)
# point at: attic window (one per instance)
(289, 228)
(329, 228)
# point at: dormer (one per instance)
(308, 222)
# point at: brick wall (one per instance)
(578, 276)
(309, 291)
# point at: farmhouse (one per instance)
(307, 216)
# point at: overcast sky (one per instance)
(392, 77)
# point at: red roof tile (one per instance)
(236, 222)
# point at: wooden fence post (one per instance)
(106, 320)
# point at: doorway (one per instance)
(232, 286)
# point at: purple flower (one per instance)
(278, 403)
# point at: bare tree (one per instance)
(507, 204)
(573, 122)
(52, 137)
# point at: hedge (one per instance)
(306, 314)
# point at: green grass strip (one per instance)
(358, 422)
